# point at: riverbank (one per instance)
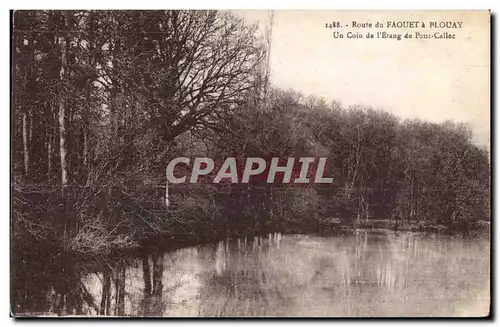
(421, 226)
(171, 241)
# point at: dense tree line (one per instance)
(103, 100)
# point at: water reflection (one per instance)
(363, 274)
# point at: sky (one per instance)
(430, 79)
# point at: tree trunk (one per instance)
(85, 148)
(167, 196)
(25, 145)
(30, 128)
(49, 154)
(62, 125)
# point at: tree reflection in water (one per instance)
(152, 304)
(363, 274)
(54, 285)
(240, 283)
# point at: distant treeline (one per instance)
(103, 100)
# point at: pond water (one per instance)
(363, 274)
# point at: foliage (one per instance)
(107, 98)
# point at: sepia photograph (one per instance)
(250, 163)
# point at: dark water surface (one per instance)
(361, 274)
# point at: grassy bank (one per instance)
(170, 231)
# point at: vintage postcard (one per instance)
(193, 163)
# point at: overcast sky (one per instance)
(433, 80)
